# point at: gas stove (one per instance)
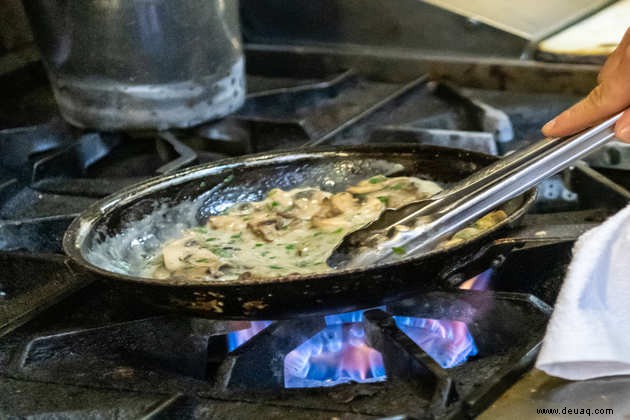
(73, 346)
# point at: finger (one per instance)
(622, 127)
(603, 101)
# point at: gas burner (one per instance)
(442, 353)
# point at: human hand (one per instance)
(610, 96)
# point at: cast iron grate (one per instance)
(172, 355)
(50, 172)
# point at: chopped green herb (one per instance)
(221, 252)
(290, 247)
(275, 267)
(318, 233)
(237, 236)
(398, 250)
(203, 260)
(384, 199)
(338, 230)
(272, 205)
(210, 239)
(200, 229)
(258, 245)
(264, 253)
(397, 186)
(377, 179)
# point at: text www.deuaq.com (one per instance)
(576, 411)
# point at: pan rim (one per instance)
(78, 230)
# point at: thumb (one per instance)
(602, 102)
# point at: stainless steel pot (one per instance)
(135, 64)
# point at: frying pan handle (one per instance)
(494, 253)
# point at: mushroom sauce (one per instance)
(291, 232)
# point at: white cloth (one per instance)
(588, 335)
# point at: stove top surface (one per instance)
(73, 346)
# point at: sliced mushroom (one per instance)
(400, 191)
(268, 227)
(307, 203)
(356, 216)
(450, 242)
(366, 186)
(265, 229)
(329, 223)
(327, 210)
(278, 199)
(372, 206)
(467, 233)
(490, 220)
(344, 202)
(176, 256)
(304, 194)
(227, 222)
(243, 209)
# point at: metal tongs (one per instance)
(421, 226)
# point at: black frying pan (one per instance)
(188, 197)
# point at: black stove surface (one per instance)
(72, 346)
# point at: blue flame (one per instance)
(449, 343)
(479, 282)
(346, 317)
(236, 338)
(336, 355)
(339, 353)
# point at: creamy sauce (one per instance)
(289, 232)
